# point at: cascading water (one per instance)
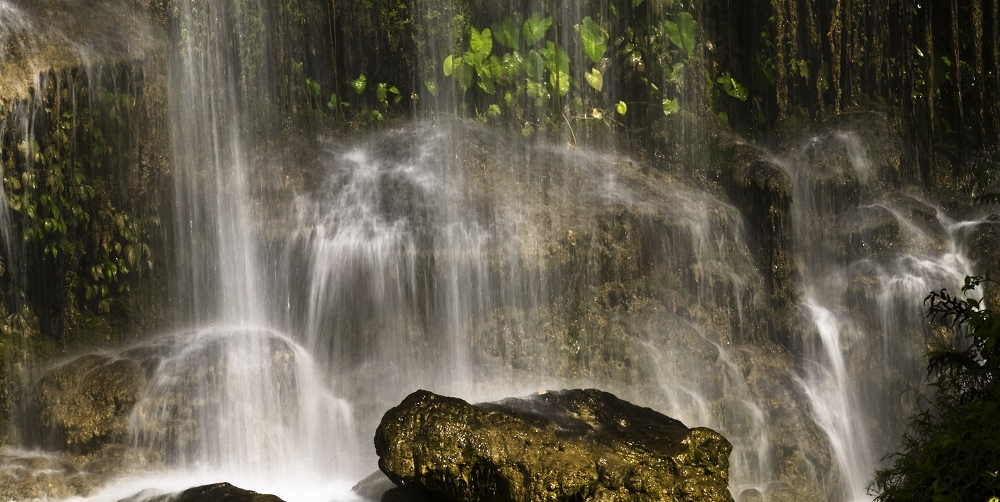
(848, 358)
(447, 256)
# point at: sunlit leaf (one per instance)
(560, 82)
(359, 84)
(448, 66)
(481, 42)
(595, 79)
(671, 106)
(493, 111)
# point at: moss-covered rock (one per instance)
(84, 404)
(552, 446)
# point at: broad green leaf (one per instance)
(493, 111)
(463, 74)
(481, 42)
(535, 65)
(507, 33)
(381, 90)
(510, 67)
(556, 59)
(535, 28)
(449, 66)
(595, 39)
(670, 106)
(621, 108)
(682, 32)
(334, 103)
(359, 84)
(595, 79)
(560, 82)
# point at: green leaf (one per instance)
(359, 84)
(556, 59)
(432, 87)
(334, 103)
(535, 28)
(493, 111)
(621, 108)
(449, 65)
(535, 65)
(507, 33)
(732, 87)
(313, 87)
(595, 79)
(510, 67)
(481, 42)
(463, 74)
(670, 106)
(560, 82)
(595, 39)
(636, 3)
(682, 33)
(381, 90)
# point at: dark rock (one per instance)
(84, 404)
(867, 231)
(556, 446)
(217, 492)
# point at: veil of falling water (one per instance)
(442, 255)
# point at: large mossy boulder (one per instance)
(553, 446)
(84, 404)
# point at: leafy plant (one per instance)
(951, 449)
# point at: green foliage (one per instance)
(682, 31)
(535, 28)
(951, 450)
(595, 39)
(732, 87)
(522, 72)
(56, 182)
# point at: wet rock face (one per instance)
(84, 404)
(558, 446)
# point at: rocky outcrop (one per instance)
(84, 404)
(551, 446)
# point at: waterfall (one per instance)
(319, 274)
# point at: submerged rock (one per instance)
(554, 446)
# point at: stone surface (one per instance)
(216, 492)
(552, 446)
(84, 404)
